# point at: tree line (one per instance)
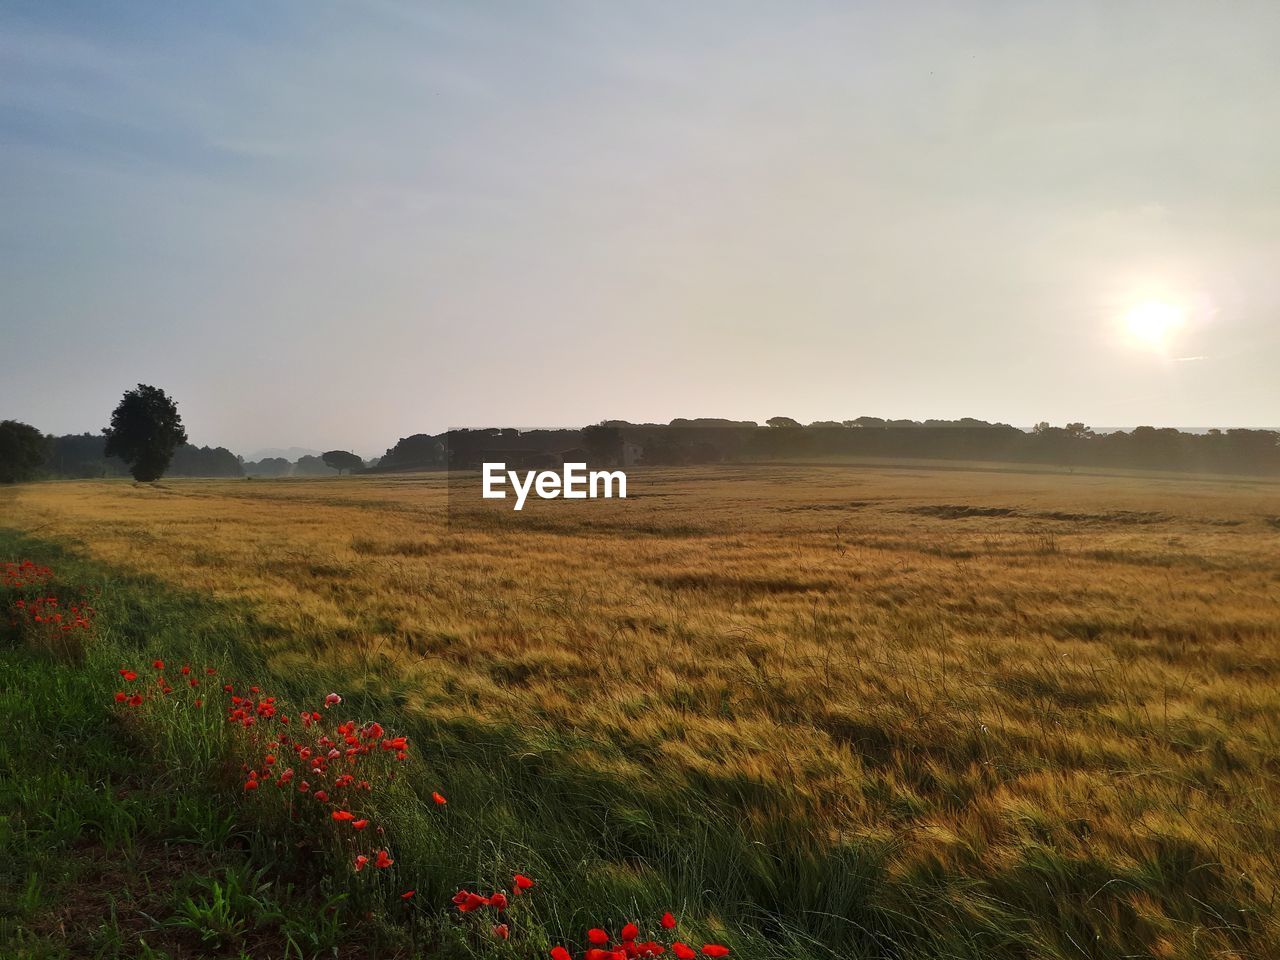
(146, 439)
(687, 441)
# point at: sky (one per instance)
(334, 225)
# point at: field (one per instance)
(844, 711)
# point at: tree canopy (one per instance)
(145, 430)
(342, 460)
(23, 450)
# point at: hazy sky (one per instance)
(337, 224)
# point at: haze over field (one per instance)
(336, 226)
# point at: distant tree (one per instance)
(1042, 427)
(145, 430)
(268, 467)
(603, 444)
(23, 450)
(782, 422)
(342, 460)
(309, 466)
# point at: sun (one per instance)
(1153, 322)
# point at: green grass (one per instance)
(93, 798)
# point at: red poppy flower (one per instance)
(472, 901)
(385, 861)
(360, 862)
(522, 882)
(683, 951)
(501, 931)
(359, 824)
(439, 799)
(121, 696)
(158, 664)
(498, 901)
(560, 953)
(597, 936)
(630, 932)
(407, 895)
(715, 950)
(668, 921)
(343, 815)
(129, 675)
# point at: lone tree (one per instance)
(145, 430)
(342, 460)
(23, 450)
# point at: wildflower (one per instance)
(342, 815)
(384, 861)
(135, 700)
(714, 950)
(360, 862)
(560, 953)
(501, 931)
(321, 796)
(470, 901)
(185, 670)
(121, 696)
(199, 703)
(521, 883)
(597, 936)
(668, 921)
(359, 824)
(630, 932)
(498, 901)
(439, 799)
(128, 675)
(407, 895)
(332, 700)
(683, 951)
(251, 784)
(158, 664)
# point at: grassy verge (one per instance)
(130, 833)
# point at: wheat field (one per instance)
(1043, 708)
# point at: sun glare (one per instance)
(1152, 323)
